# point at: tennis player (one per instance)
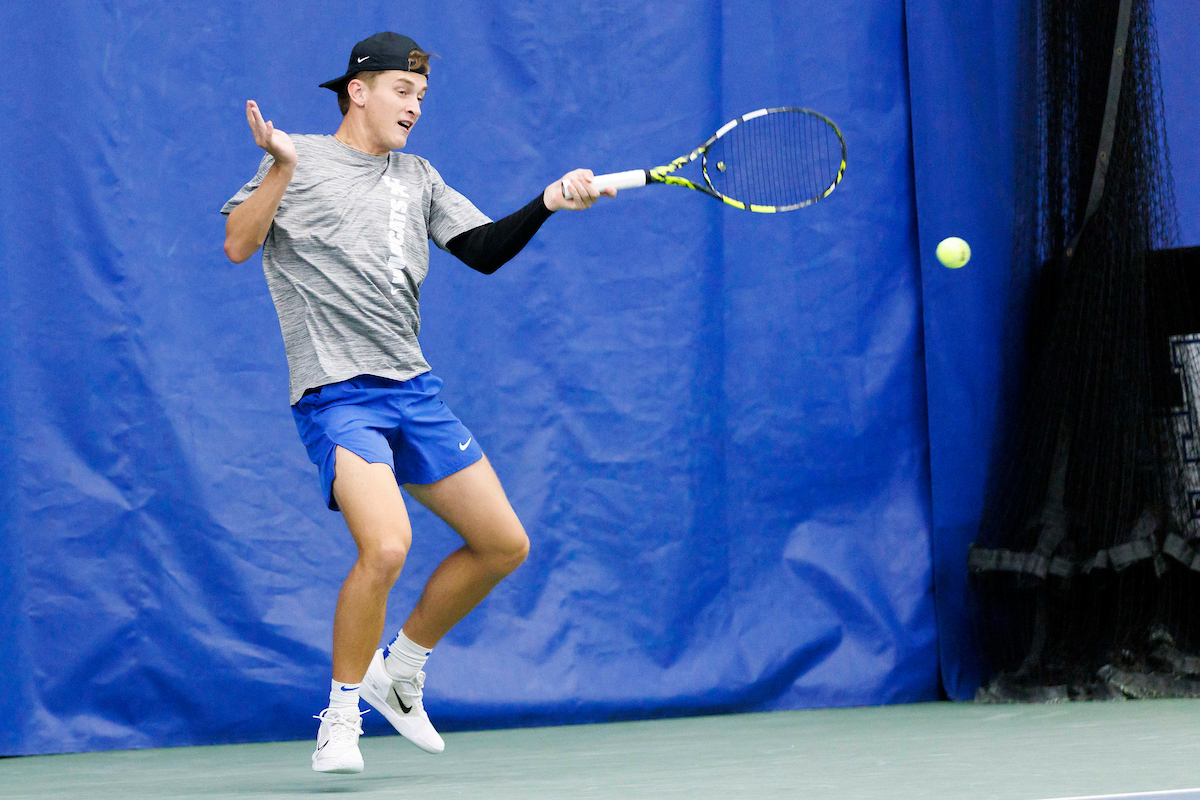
(344, 223)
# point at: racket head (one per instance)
(775, 159)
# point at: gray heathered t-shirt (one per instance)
(346, 256)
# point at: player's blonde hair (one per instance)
(418, 61)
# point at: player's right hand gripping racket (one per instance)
(770, 160)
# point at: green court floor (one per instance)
(931, 751)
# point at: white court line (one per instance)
(1173, 793)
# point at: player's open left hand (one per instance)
(266, 136)
(580, 193)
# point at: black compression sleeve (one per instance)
(490, 246)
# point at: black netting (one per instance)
(1085, 565)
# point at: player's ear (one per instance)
(357, 91)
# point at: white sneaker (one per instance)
(400, 702)
(337, 742)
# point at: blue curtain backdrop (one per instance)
(749, 450)
(963, 73)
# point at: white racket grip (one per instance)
(629, 179)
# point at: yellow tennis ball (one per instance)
(953, 252)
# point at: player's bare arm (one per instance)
(247, 225)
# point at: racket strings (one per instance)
(784, 159)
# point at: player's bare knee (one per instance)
(384, 562)
(511, 554)
(521, 552)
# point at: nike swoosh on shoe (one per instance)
(404, 708)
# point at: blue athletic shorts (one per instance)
(403, 424)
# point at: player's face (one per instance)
(394, 106)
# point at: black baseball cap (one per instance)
(380, 52)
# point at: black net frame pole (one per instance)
(1108, 129)
(1054, 512)
(1054, 518)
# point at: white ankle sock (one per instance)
(343, 696)
(404, 658)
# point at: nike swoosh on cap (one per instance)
(364, 58)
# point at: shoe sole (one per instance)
(352, 769)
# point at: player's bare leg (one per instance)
(374, 511)
(472, 502)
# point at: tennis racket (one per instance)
(768, 161)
